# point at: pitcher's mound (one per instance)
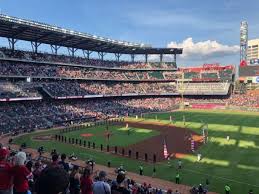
(87, 135)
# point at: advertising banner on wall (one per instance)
(254, 61)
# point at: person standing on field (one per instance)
(177, 178)
(154, 172)
(179, 164)
(141, 170)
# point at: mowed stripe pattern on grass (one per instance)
(236, 159)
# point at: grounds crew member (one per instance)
(177, 178)
(141, 170)
(227, 189)
(154, 171)
(179, 164)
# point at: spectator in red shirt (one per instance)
(5, 175)
(86, 182)
(20, 174)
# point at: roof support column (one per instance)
(12, 42)
(34, 46)
(117, 56)
(88, 53)
(132, 58)
(175, 58)
(161, 58)
(72, 50)
(101, 55)
(54, 49)
(146, 58)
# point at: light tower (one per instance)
(243, 41)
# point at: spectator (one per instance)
(63, 162)
(5, 175)
(54, 160)
(169, 191)
(101, 187)
(160, 191)
(86, 182)
(20, 174)
(177, 192)
(74, 180)
(36, 172)
(53, 180)
(29, 166)
(200, 189)
(120, 187)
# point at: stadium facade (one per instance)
(57, 90)
(253, 52)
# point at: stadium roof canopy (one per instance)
(21, 29)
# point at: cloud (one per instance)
(204, 50)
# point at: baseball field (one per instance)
(233, 160)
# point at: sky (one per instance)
(207, 30)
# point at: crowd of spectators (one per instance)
(18, 90)
(44, 114)
(224, 74)
(73, 88)
(79, 89)
(15, 116)
(12, 68)
(244, 100)
(46, 57)
(22, 174)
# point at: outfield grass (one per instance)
(119, 135)
(235, 162)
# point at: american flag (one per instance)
(165, 150)
(192, 145)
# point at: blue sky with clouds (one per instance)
(208, 26)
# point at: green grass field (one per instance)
(235, 162)
(119, 135)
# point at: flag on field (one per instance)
(165, 150)
(204, 135)
(192, 145)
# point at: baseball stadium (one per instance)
(167, 127)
